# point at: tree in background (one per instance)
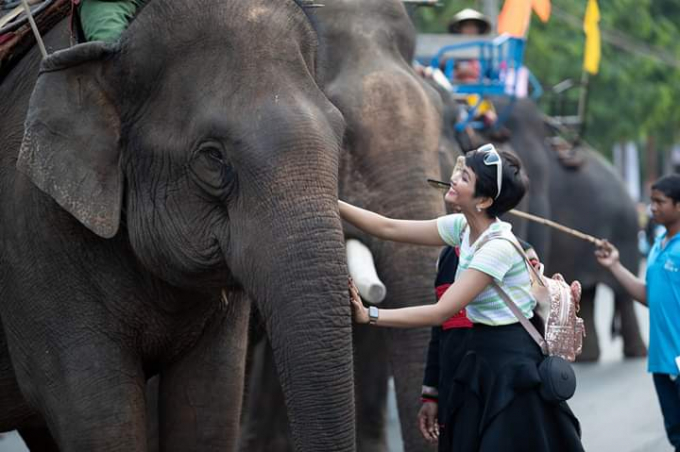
(636, 94)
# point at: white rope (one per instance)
(34, 27)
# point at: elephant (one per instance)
(149, 191)
(390, 148)
(593, 199)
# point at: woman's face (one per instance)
(462, 191)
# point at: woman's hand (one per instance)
(427, 421)
(360, 311)
(607, 254)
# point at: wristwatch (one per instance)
(372, 315)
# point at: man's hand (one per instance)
(427, 421)
(607, 254)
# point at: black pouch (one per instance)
(558, 380)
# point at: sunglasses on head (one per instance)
(490, 159)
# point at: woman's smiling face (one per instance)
(463, 181)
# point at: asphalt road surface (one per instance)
(615, 399)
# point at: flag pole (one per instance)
(583, 104)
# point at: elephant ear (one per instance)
(70, 148)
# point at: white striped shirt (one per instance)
(498, 259)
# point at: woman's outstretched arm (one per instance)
(406, 231)
(470, 284)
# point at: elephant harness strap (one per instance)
(16, 36)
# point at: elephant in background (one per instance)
(390, 148)
(156, 175)
(591, 199)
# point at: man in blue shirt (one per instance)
(660, 291)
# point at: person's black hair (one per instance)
(669, 186)
(514, 186)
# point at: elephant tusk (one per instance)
(362, 270)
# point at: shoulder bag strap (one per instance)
(528, 326)
(531, 329)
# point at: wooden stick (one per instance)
(557, 226)
(34, 27)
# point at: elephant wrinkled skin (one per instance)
(195, 155)
(390, 149)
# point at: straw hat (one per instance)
(469, 14)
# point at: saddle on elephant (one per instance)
(16, 36)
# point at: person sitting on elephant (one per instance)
(468, 22)
(472, 23)
(105, 20)
(660, 292)
(495, 402)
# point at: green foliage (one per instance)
(633, 96)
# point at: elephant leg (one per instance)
(591, 344)
(91, 396)
(266, 425)
(371, 370)
(633, 345)
(200, 394)
(408, 367)
(152, 388)
(38, 439)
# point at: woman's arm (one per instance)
(608, 256)
(406, 231)
(470, 284)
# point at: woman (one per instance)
(495, 403)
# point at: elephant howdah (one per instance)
(153, 173)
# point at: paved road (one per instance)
(615, 400)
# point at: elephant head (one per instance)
(202, 142)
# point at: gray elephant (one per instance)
(390, 149)
(594, 200)
(591, 199)
(197, 158)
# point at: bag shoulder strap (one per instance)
(532, 271)
(528, 326)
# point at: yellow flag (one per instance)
(542, 9)
(591, 54)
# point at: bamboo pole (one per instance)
(518, 213)
(595, 241)
(34, 27)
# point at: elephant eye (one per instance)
(211, 170)
(215, 155)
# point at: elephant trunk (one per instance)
(303, 297)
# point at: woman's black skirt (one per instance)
(494, 404)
